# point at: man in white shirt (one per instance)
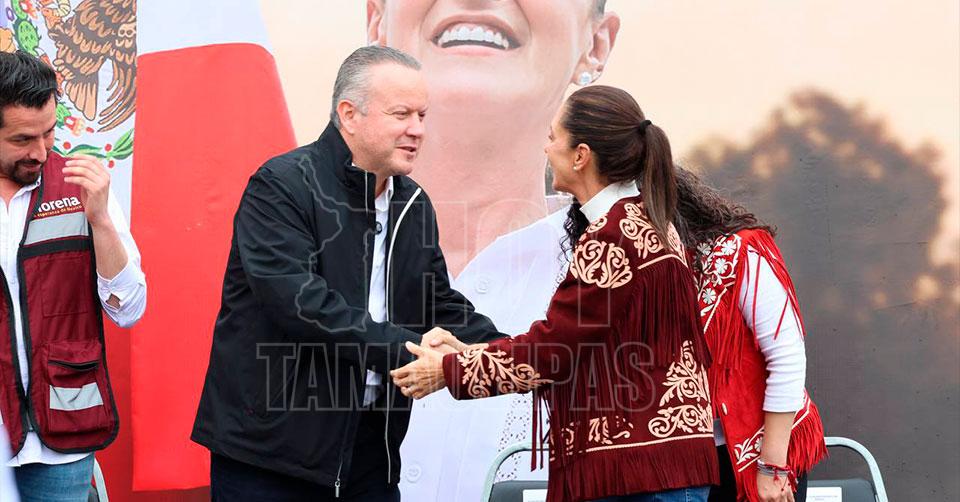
(63, 237)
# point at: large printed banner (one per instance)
(834, 122)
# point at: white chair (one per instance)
(854, 490)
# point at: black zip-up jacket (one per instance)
(293, 337)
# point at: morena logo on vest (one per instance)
(59, 206)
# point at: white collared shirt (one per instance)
(601, 203)
(377, 299)
(129, 286)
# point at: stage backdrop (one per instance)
(836, 122)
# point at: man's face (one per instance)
(509, 48)
(389, 134)
(25, 140)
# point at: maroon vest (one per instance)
(68, 401)
(738, 376)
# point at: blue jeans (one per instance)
(55, 483)
(695, 494)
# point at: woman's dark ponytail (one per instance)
(658, 181)
(627, 147)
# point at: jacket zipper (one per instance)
(336, 484)
(366, 207)
(393, 240)
(386, 428)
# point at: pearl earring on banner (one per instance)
(585, 78)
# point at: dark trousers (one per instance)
(233, 481)
(727, 491)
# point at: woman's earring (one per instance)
(585, 78)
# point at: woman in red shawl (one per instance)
(768, 430)
(620, 359)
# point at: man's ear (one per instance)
(375, 34)
(347, 112)
(604, 38)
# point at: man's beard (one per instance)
(18, 172)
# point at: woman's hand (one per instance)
(443, 341)
(774, 490)
(776, 442)
(423, 376)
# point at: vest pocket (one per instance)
(65, 283)
(74, 397)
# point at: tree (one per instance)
(857, 211)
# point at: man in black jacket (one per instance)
(334, 265)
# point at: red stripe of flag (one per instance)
(207, 117)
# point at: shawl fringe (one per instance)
(728, 325)
(628, 471)
(661, 315)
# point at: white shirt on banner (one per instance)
(129, 286)
(451, 444)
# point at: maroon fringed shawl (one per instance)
(620, 361)
(738, 375)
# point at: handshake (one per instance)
(425, 375)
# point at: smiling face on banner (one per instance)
(517, 52)
(497, 71)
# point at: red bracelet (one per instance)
(775, 471)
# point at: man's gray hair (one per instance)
(354, 75)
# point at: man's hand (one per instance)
(94, 181)
(442, 340)
(423, 376)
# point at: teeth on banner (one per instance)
(463, 34)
